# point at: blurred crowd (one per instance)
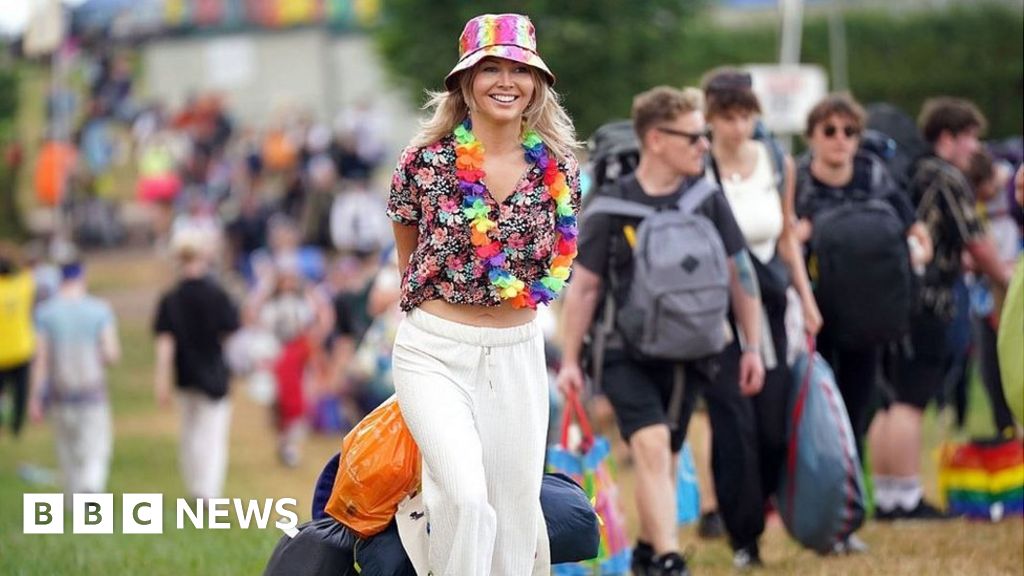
(283, 223)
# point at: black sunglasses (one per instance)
(830, 131)
(693, 137)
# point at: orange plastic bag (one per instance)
(380, 465)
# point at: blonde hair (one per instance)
(544, 115)
(189, 244)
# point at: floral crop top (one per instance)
(425, 193)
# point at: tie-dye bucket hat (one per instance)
(509, 36)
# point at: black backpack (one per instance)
(860, 259)
(893, 136)
(614, 152)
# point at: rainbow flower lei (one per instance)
(469, 163)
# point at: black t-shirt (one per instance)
(199, 314)
(351, 316)
(815, 196)
(603, 246)
(249, 231)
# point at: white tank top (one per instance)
(757, 206)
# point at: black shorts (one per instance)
(920, 367)
(641, 391)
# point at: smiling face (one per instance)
(502, 89)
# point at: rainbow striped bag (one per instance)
(983, 480)
(590, 464)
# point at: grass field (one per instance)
(145, 460)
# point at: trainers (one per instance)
(747, 558)
(711, 526)
(669, 564)
(289, 456)
(883, 515)
(643, 559)
(925, 511)
(852, 544)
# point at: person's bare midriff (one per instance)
(503, 316)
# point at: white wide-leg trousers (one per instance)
(476, 401)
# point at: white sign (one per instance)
(45, 30)
(230, 63)
(787, 94)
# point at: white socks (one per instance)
(892, 491)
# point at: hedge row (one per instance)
(605, 51)
(902, 58)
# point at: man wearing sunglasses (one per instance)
(651, 409)
(835, 174)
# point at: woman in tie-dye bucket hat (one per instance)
(484, 206)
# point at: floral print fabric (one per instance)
(425, 193)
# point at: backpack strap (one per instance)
(778, 154)
(698, 192)
(711, 168)
(618, 207)
(778, 163)
(806, 190)
(610, 203)
(882, 181)
(600, 346)
(675, 403)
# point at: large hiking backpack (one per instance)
(614, 152)
(679, 292)
(893, 136)
(863, 277)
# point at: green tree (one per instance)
(904, 58)
(602, 51)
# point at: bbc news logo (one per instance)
(144, 514)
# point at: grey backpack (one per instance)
(679, 294)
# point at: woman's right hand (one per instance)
(570, 379)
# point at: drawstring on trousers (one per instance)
(487, 366)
